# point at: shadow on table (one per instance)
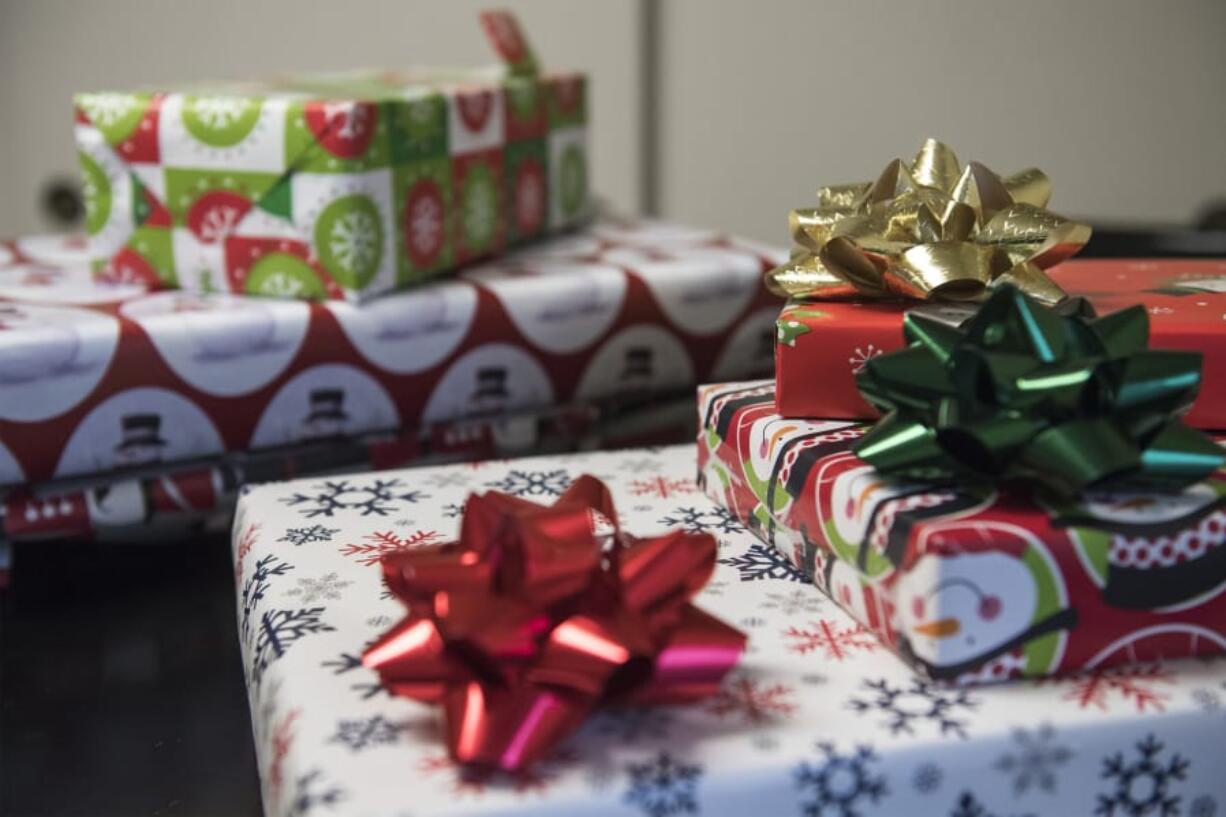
(121, 688)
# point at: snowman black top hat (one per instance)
(327, 404)
(638, 362)
(140, 430)
(491, 382)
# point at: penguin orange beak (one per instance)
(941, 628)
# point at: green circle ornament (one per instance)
(96, 190)
(285, 276)
(115, 115)
(480, 207)
(573, 181)
(349, 240)
(221, 121)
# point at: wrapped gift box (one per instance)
(971, 584)
(340, 186)
(102, 376)
(819, 719)
(823, 345)
(176, 501)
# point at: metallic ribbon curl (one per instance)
(537, 615)
(1048, 395)
(929, 230)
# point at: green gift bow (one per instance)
(1049, 395)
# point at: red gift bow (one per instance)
(539, 614)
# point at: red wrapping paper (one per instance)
(823, 345)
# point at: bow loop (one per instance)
(1047, 395)
(539, 614)
(929, 229)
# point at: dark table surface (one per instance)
(121, 689)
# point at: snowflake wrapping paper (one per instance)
(819, 720)
(1186, 301)
(341, 186)
(96, 377)
(971, 583)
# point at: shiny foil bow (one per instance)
(539, 614)
(929, 229)
(1050, 395)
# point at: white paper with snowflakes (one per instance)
(819, 720)
(336, 186)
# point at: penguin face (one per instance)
(955, 608)
(856, 494)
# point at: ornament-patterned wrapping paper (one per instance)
(340, 186)
(819, 719)
(822, 345)
(96, 377)
(972, 583)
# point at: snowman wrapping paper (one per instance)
(969, 584)
(98, 376)
(818, 719)
(1185, 298)
(341, 186)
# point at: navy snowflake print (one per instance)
(1142, 783)
(839, 785)
(705, 519)
(763, 562)
(917, 704)
(308, 535)
(363, 733)
(380, 497)
(532, 483)
(663, 786)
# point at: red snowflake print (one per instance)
(1099, 687)
(383, 543)
(474, 781)
(838, 642)
(751, 701)
(246, 542)
(661, 486)
(282, 740)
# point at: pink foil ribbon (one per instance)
(538, 615)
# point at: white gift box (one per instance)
(819, 720)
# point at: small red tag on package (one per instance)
(823, 345)
(971, 583)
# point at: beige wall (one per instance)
(1121, 101)
(50, 48)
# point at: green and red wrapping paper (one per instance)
(971, 584)
(823, 345)
(340, 186)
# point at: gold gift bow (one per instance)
(930, 229)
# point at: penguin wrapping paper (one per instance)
(97, 377)
(971, 584)
(817, 719)
(1185, 298)
(340, 186)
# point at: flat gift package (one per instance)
(97, 377)
(1185, 298)
(341, 186)
(972, 583)
(818, 718)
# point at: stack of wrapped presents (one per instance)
(360, 271)
(963, 554)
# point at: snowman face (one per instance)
(1145, 509)
(1216, 283)
(845, 588)
(857, 494)
(139, 454)
(322, 427)
(955, 608)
